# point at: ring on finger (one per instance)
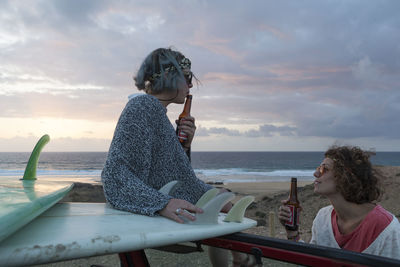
(178, 211)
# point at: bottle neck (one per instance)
(186, 108)
(293, 191)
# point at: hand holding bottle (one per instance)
(289, 212)
(188, 127)
(284, 213)
(185, 124)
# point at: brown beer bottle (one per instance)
(182, 136)
(294, 205)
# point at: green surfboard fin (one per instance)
(236, 213)
(30, 170)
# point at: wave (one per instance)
(202, 172)
(253, 180)
(240, 175)
(241, 171)
(5, 172)
(228, 175)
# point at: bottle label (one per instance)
(295, 216)
(181, 134)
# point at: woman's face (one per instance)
(183, 88)
(324, 183)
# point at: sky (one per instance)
(275, 75)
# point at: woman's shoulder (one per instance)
(395, 224)
(325, 211)
(394, 221)
(142, 98)
(144, 102)
(381, 214)
(387, 243)
(324, 215)
(322, 222)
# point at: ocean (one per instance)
(216, 167)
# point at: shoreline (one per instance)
(262, 189)
(90, 192)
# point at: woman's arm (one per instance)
(129, 160)
(188, 126)
(125, 191)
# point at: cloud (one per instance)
(267, 69)
(26, 144)
(270, 130)
(86, 104)
(201, 131)
(262, 131)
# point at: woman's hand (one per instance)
(181, 207)
(284, 213)
(187, 125)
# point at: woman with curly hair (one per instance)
(354, 221)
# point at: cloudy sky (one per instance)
(275, 75)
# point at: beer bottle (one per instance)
(293, 203)
(182, 136)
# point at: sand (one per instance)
(268, 197)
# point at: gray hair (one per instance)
(161, 70)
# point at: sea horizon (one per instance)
(211, 167)
(200, 151)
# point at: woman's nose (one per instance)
(317, 173)
(190, 85)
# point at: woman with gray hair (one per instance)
(145, 153)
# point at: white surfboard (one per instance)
(75, 230)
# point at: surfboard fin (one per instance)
(207, 196)
(236, 213)
(30, 170)
(166, 189)
(211, 209)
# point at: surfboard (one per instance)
(75, 230)
(22, 200)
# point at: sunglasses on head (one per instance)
(322, 169)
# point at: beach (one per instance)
(268, 196)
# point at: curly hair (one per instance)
(161, 70)
(354, 175)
